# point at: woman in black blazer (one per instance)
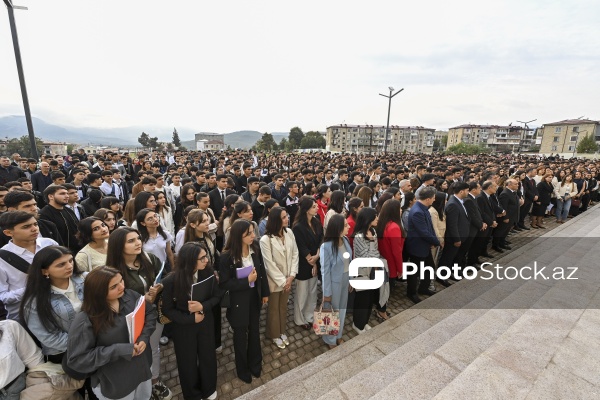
(192, 321)
(545, 190)
(308, 232)
(246, 297)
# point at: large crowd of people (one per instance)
(87, 238)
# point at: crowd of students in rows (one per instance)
(78, 255)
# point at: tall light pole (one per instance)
(387, 126)
(525, 128)
(15, 39)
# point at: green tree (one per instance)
(144, 139)
(469, 149)
(70, 148)
(436, 145)
(295, 137)
(587, 145)
(444, 141)
(153, 142)
(176, 140)
(285, 145)
(313, 140)
(266, 142)
(22, 146)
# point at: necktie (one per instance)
(223, 196)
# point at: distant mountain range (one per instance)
(15, 126)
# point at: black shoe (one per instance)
(497, 249)
(505, 247)
(523, 227)
(414, 298)
(486, 255)
(246, 378)
(443, 282)
(507, 242)
(427, 292)
(474, 262)
(255, 374)
(517, 229)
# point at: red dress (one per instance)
(390, 248)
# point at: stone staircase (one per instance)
(479, 338)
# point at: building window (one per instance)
(575, 129)
(556, 139)
(558, 129)
(553, 148)
(571, 148)
(573, 138)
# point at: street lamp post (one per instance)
(387, 126)
(525, 128)
(15, 39)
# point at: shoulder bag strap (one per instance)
(14, 261)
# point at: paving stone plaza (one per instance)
(476, 339)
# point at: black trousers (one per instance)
(479, 246)
(465, 246)
(196, 358)
(500, 232)
(363, 304)
(246, 343)
(449, 253)
(412, 281)
(523, 212)
(216, 311)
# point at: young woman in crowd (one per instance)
(337, 201)
(439, 222)
(93, 236)
(246, 294)
(188, 195)
(165, 213)
(203, 203)
(224, 221)
(128, 214)
(545, 190)
(109, 217)
(113, 204)
(389, 236)
(322, 198)
(280, 255)
(262, 224)
(581, 185)
(139, 270)
(366, 194)
(308, 233)
(154, 238)
(98, 339)
(564, 192)
(375, 186)
(334, 272)
(192, 321)
(180, 237)
(355, 204)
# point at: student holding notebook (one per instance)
(247, 294)
(192, 320)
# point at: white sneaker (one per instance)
(367, 327)
(359, 331)
(285, 340)
(279, 343)
(212, 396)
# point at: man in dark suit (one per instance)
(510, 202)
(258, 205)
(477, 226)
(419, 241)
(217, 195)
(457, 225)
(486, 207)
(530, 195)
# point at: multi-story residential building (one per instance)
(371, 138)
(498, 138)
(563, 136)
(210, 141)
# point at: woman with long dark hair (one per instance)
(155, 239)
(355, 204)
(246, 295)
(241, 210)
(322, 198)
(109, 217)
(334, 274)
(93, 234)
(165, 213)
(203, 203)
(280, 255)
(336, 204)
(366, 195)
(187, 199)
(308, 233)
(192, 321)
(262, 224)
(113, 204)
(389, 236)
(139, 270)
(98, 340)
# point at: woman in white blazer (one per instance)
(280, 255)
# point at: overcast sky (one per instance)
(222, 66)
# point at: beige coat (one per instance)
(281, 260)
(439, 227)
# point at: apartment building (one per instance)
(209, 141)
(371, 138)
(563, 136)
(497, 137)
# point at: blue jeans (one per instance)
(13, 392)
(562, 209)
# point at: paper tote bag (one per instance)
(326, 322)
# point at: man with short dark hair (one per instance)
(217, 195)
(252, 191)
(17, 255)
(457, 225)
(258, 205)
(8, 172)
(64, 218)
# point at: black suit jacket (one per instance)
(240, 292)
(530, 189)
(475, 219)
(486, 209)
(457, 222)
(216, 204)
(509, 201)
